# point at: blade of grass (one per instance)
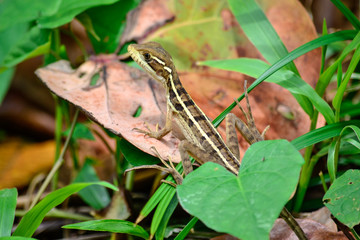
(160, 232)
(326, 76)
(263, 36)
(7, 210)
(318, 42)
(58, 162)
(259, 30)
(347, 13)
(321, 134)
(334, 148)
(110, 225)
(182, 235)
(341, 89)
(284, 78)
(32, 219)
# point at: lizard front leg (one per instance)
(158, 134)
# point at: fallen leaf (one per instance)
(20, 162)
(114, 100)
(312, 229)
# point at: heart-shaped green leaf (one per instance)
(245, 206)
(343, 198)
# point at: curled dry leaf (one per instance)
(114, 99)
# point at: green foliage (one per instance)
(343, 198)
(135, 156)
(26, 32)
(285, 78)
(32, 219)
(81, 131)
(96, 195)
(114, 226)
(7, 210)
(5, 80)
(247, 205)
(107, 24)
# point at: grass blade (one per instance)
(284, 78)
(110, 225)
(32, 219)
(347, 13)
(318, 42)
(322, 134)
(182, 235)
(7, 210)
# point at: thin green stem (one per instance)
(57, 164)
(304, 182)
(355, 234)
(323, 182)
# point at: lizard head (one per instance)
(154, 60)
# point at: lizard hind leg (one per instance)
(248, 130)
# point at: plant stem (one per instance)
(304, 182)
(293, 224)
(321, 175)
(57, 164)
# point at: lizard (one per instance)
(202, 141)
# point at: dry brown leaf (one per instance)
(113, 102)
(312, 229)
(20, 161)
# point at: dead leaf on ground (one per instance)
(114, 100)
(312, 229)
(317, 225)
(20, 162)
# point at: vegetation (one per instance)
(245, 206)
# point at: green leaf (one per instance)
(347, 13)
(106, 26)
(341, 89)
(68, 9)
(114, 226)
(321, 134)
(247, 205)
(21, 11)
(259, 30)
(96, 195)
(32, 219)
(7, 210)
(162, 216)
(35, 42)
(5, 80)
(81, 131)
(326, 76)
(9, 37)
(318, 42)
(182, 235)
(284, 78)
(135, 156)
(343, 198)
(333, 152)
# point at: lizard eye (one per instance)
(147, 57)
